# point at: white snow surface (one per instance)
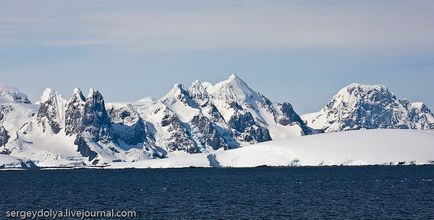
(9, 162)
(9, 94)
(362, 147)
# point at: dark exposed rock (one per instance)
(183, 95)
(74, 113)
(247, 129)
(421, 115)
(235, 106)
(209, 135)
(88, 120)
(44, 112)
(215, 114)
(96, 122)
(48, 112)
(241, 122)
(84, 148)
(287, 116)
(130, 134)
(4, 136)
(179, 137)
(127, 126)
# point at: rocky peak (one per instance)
(198, 92)
(4, 136)
(51, 112)
(421, 116)
(74, 112)
(177, 137)
(235, 78)
(95, 103)
(180, 93)
(359, 106)
(96, 121)
(77, 96)
(233, 89)
(355, 94)
(48, 95)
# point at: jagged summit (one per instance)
(49, 94)
(198, 91)
(177, 88)
(77, 96)
(234, 88)
(92, 92)
(365, 86)
(179, 93)
(51, 112)
(358, 90)
(234, 76)
(234, 80)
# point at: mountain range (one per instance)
(202, 118)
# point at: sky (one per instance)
(298, 51)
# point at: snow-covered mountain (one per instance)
(206, 117)
(359, 106)
(85, 131)
(15, 111)
(201, 118)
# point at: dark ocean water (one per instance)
(405, 192)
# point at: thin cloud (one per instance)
(356, 25)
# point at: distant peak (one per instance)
(49, 94)
(366, 86)
(355, 92)
(48, 91)
(235, 77)
(358, 88)
(197, 89)
(196, 83)
(12, 94)
(92, 91)
(77, 94)
(178, 87)
(77, 91)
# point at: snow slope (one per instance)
(9, 162)
(362, 147)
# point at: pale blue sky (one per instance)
(297, 51)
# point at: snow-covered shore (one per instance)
(363, 147)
